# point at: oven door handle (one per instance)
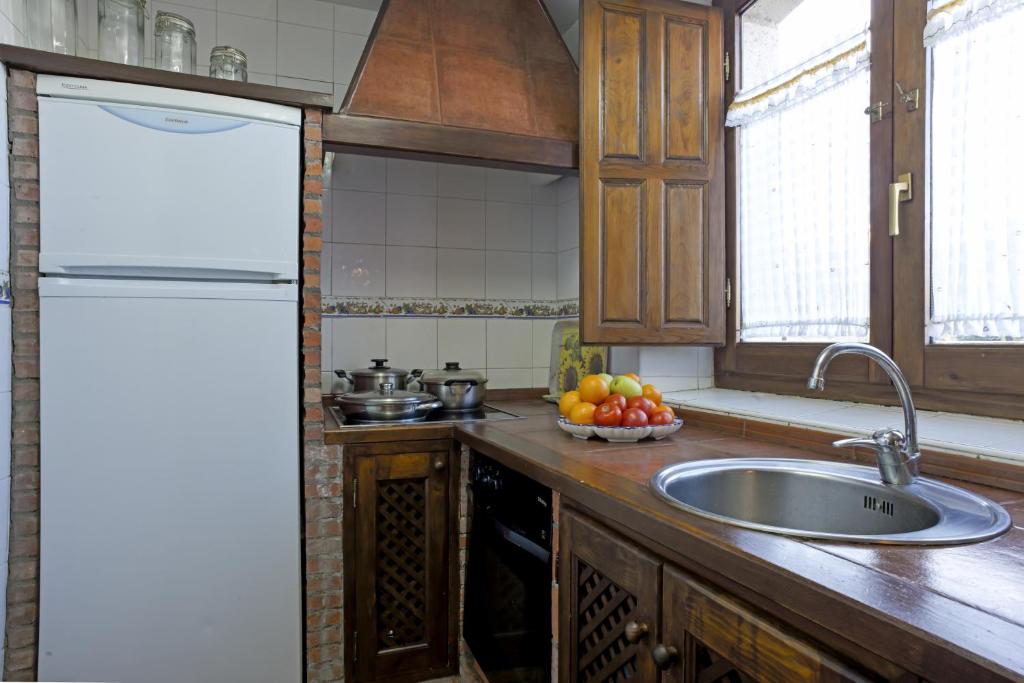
(522, 542)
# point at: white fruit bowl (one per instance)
(619, 434)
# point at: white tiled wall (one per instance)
(307, 44)
(5, 370)
(401, 228)
(670, 368)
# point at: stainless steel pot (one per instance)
(458, 390)
(387, 404)
(369, 379)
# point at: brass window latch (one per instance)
(876, 111)
(909, 98)
(900, 191)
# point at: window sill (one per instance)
(975, 437)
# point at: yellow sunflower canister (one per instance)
(570, 360)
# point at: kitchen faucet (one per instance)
(897, 452)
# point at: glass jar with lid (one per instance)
(122, 30)
(228, 63)
(175, 39)
(52, 25)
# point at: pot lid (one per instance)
(385, 395)
(452, 371)
(380, 365)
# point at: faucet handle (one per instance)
(881, 439)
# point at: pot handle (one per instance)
(428, 406)
(341, 373)
(469, 382)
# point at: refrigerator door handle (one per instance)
(115, 265)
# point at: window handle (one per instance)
(900, 191)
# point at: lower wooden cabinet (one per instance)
(401, 576)
(612, 593)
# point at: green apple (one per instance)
(607, 378)
(627, 386)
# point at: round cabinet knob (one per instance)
(664, 657)
(438, 465)
(635, 631)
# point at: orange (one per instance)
(633, 376)
(568, 400)
(651, 392)
(593, 389)
(582, 413)
(664, 408)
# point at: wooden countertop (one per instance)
(39, 61)
(946, 613)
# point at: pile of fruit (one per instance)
(620, 401)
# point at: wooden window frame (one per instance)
(982, 380)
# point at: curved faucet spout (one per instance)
(897, 457)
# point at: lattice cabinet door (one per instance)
(403, 547)
(711, 637)
(609, 606)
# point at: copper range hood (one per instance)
(473, 81)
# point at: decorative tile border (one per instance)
(376, 307)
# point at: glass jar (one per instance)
(122, 29)
(228, 63)
(52, 25)
(175, 38)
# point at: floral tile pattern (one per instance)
(5, 288)
(447, 308)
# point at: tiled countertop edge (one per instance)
(975, 437)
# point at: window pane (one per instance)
(976, 243)
(804, 203)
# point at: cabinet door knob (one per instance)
(664, 657)
(438, 465)
(636, 631)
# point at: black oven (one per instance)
(507, 621)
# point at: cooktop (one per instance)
(485, 412)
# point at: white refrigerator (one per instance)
(170, 390)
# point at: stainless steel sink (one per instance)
(832, 501)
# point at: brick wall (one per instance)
(322, 475)
(23, 580)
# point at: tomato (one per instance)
(651, 392)
(634, 417)
(608, 415)
(641, 403)
(568, 400)
(617, 399)
(633, 376)
(582, 413)
(593, 389)
(662, 417)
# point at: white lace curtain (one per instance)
(976, 245)
(804, 212)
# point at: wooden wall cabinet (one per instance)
(400, 555)
(652, 211)
(627, 615)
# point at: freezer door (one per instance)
(170, 467)
(130, 190)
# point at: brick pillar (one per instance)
(322, 472)
(23, 579)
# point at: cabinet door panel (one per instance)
(402, 546)
(605, 585)
(685, 122)
(621, 93)
(651, 93)
(686, 241)
(720, 639)
(623, 262)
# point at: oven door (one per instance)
(508, 602)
